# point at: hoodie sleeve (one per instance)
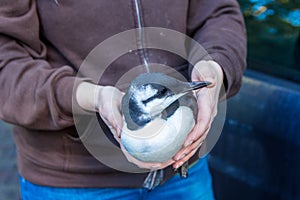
(219, 27)
(33, 94)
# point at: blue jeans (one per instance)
(197, 186)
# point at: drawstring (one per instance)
(153, 179)
(140, 41)
(154, 176)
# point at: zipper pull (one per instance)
(184, 169)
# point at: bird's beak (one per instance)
(168, 101)
(197, 85)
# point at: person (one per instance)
(42, 45)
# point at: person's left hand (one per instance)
(207, 100)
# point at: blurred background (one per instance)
(258, 153)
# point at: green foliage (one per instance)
(273, 27)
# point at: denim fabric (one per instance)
(197, 186)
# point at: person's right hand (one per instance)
(109, 108)
(108, 105)
(106, 100)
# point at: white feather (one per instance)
(160, 139)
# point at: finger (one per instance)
(112, 128)
(184, 154)
(195, 146)
(205, 110)
(113, 119)
(163, 165)
(117, 114)
(146, 165)
(179, 163)
(200, 140)
(185, 151)
(198, 131)
(117, 122)
(149, 165)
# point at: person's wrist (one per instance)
(87, 95)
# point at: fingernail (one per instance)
(155, 166)
(178, 165)
(180, 157)
(188, 143)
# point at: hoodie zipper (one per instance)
(155, 176)
(140, 38)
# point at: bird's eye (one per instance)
(161, 93)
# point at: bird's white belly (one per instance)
(160, 139)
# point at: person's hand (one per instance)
(106, 100)
(207, 100)
(109, 108)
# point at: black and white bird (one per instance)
(158, 112)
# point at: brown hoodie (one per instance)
(42, 45)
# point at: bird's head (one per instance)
(151, 95)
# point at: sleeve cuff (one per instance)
(66, 98)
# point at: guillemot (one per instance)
(158, 113)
